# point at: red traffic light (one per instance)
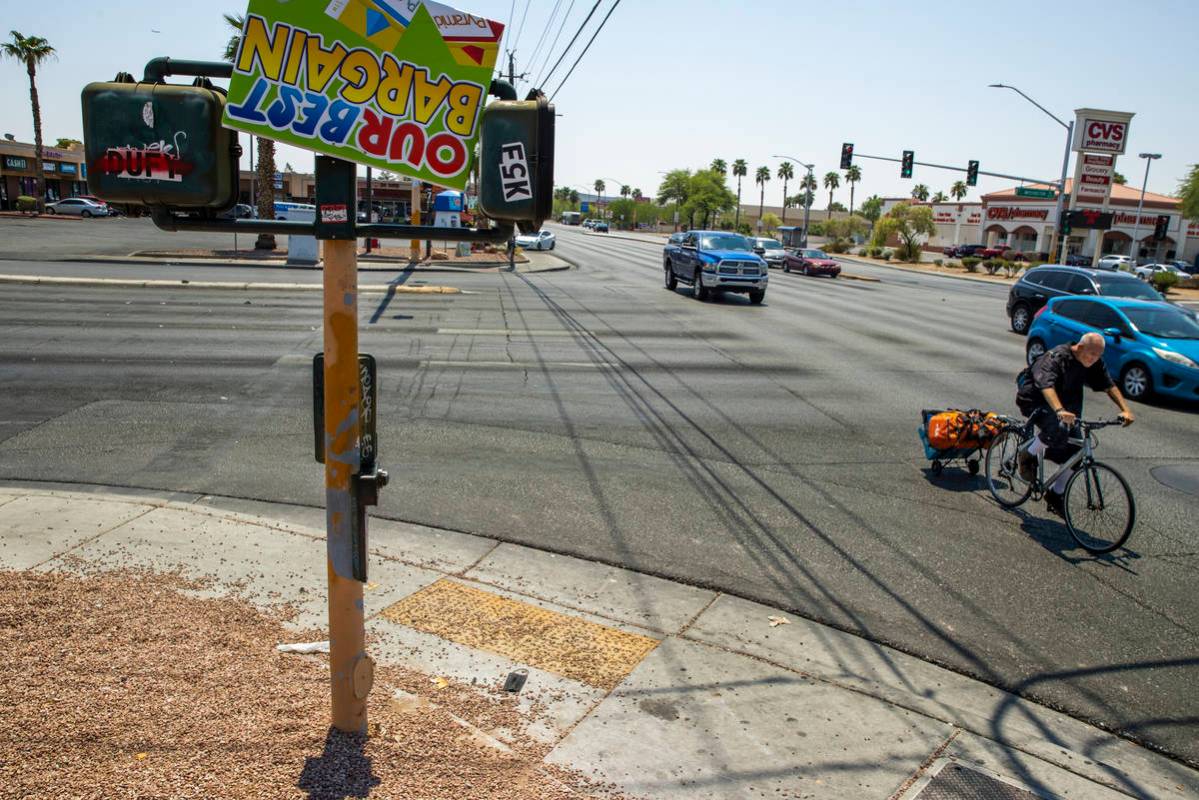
(846, 155)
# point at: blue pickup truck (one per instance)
(714, 261)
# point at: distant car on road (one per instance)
(543, 240)
(600, 226)
(78, 207)
(1146, 271)
(963, 250)
(1006, 252)
(1114, 262)
(1039, 285)
(811, 262)
(239, 211)
(771, 251)
(1152, 347)
(715, 261)
(1186, 266)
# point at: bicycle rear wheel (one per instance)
(1100, 510)
(1003, 470)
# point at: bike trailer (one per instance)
(953, 434)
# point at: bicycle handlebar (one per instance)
(1098, 423)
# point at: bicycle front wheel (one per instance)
(1100, 511)
(1003, 470)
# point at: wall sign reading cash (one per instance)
(395, 85)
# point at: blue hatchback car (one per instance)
(1152, 347)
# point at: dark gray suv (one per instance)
(1039, 285)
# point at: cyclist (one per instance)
(1050, 395)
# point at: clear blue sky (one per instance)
(675, 84)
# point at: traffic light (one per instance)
(846, 155)
(972, 174)
(1064, 225)
(516, 161)
(909, 158)
(1159, 230)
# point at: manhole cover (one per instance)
(956, 781)
(1183, 477)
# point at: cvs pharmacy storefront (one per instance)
(1027, 224)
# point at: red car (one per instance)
(811, 262)
(1001, 251)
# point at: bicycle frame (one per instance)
(1084, 457)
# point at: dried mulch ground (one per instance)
(123, 685)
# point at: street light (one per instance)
(807, 206)
(1133, 250)
(1065, 167)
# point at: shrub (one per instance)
(837, 246)
(909, 253)
(971, 263)
(1164, 281)
(993, 265)
(938, 261)
(886, 255)
(876, 252)
(25, 203)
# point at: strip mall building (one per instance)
(1027, 223)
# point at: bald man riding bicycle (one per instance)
(1050, 395)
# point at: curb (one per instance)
(365, 263)
(124, 283)
(918, 271)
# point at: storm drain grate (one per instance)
(955, 781)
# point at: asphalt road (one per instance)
(770, 451)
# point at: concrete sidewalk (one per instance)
(661, 689)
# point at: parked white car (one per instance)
(1147, 271)
(1124, 263)
(543, 240)
(78, 207)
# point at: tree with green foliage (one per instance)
(761, 177)
(625, 190)
(786, 173)
(908, 223)
(574, 197)
(740, 170)
(707, 195)
(599, 188)
(837, 205)
(959, 190)
(770, 221)
(1119, 178)
(852, 176)
(32, 52)
(265, 168)
(637, 194)
(719, 165)
(675, 187)
(1188, 194)
(65, 143)
(843, 231)
(832, 180)
(872, 209)
(920, 192)
(940, 197)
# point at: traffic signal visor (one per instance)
(846, 155)
(158, 144)
(516, 161)
(909, 158)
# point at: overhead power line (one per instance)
(545, 32)
(549, 53)
(572, 42)
(585, 49)
(520, 31)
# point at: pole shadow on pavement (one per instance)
(342, 770)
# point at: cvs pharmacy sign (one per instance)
(1101, 131)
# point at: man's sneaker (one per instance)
(1028, 466)
(1055, 503)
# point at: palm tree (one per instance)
(266, 147)
(740, 170)
(637, 195)
(786, 173)
(32, 51)
(625, 191)
(718, 165)
(852, 176)
(574, 197)
(809, 185)
(940, 197)
(959, 190)
(920, 192)
(761, 177)
(831, 181)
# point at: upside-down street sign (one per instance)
(394, 84)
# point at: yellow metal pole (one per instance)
(351, 669)
(416, 218)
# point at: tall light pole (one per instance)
(807, 206)
(1133, 250)
(1057, 223)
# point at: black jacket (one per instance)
(1060, 370)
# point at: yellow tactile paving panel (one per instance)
(574, 648)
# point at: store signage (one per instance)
(398, 86)
(1193, 230)
(67, 169)
(1095, 177)
(1103, 136)
(49, 166)
(1086, 219)
(1046, 194)
(1126, 218)
(1016, 212)
(13, 162)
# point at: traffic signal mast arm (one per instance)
(963, 169)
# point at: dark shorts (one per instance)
(1054, 434)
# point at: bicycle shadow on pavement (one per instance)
(955, 479)
(1052, 534)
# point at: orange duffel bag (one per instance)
(962, 430)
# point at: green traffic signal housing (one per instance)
(516, 161)
(160, 145)
(972, 173)
(909, 158)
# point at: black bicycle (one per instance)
(1099, 507)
